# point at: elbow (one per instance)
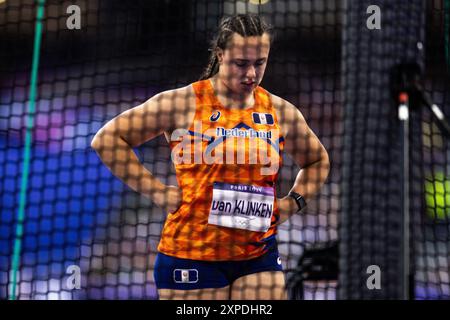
(325, 161)
(98, 141)
(95, 143)
(105, 138)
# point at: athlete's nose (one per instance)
(250, 73)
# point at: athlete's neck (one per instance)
(230, 99)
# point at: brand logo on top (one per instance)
(215, 116)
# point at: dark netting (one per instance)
(433, 228)
(80, 219)
(371, 232)
(371, 222)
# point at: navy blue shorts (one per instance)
(184, 274)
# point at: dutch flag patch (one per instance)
(185, 275)
(262, 118)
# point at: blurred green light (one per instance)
(437, 196)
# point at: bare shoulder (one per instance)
(300, 141)
(179, 103)
(160, 114)
(175, 98)
(289, 116)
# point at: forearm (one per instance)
(122, 161)
(308, 182)
(310, 179)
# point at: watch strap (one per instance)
(301, 202)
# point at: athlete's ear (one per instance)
(219, 54)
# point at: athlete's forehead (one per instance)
(253, 47)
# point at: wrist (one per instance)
(155, 186)
(299, 200)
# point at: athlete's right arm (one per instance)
(115, 141)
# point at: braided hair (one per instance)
(246, 25)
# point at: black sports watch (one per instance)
(301, 203)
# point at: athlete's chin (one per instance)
(247, 87)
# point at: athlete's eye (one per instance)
(240, 64)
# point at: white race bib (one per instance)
(242, 206)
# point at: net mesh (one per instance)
(371, 230)
(432, 242)
(81, 219)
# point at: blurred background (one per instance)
(324, 60)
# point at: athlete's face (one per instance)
(243, 62)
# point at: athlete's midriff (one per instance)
(229, 206)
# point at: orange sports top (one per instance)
(226, 164)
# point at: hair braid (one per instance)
(245, 25)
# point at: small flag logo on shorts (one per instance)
(262, 118)
(185, 275)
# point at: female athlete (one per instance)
(226, 134)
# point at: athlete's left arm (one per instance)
(306, 150)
